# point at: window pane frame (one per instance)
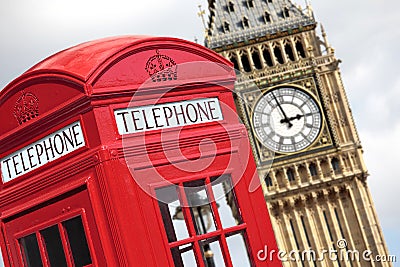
(23, 252)
(62, 243)
(220, 233)
(58, 221)
(244, 236)
(70, 249)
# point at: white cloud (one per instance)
(381, 157)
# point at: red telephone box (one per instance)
(128, 151)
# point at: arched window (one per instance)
(300, 49)
(305, 230)
(267, 17)
(278, 54)
(256, 60)
(267, 57)
(295, 235)
(313, 169)
(231, 7)
(234, 61)
(227, 27)
(290, 175)
(245, 23)
(268, 181)
(335, 164)
(245, 63)
(286, 12)
(289, 51)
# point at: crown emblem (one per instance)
(161, 68)
(26, 107)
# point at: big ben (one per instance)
(290, 95)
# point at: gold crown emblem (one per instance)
(26, 107)
(161, 68)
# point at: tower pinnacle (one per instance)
(328, 47)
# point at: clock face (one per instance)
(286, 119)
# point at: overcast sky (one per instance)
(365, 34)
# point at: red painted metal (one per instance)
(108, 180)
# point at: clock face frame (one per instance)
(287, 119)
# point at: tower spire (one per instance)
(326, 42)
(202, 14)
(310, 9)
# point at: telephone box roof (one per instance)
(84, 60)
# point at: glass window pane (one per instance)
(55, 251)
(171, 212)
(238, 250)
(77, 241)
(200, 207)
(225, 198)
(184, 256)
(212, 253)
(30, 251)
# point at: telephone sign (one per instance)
(39, 153)
(168, 115)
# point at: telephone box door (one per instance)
(60, 232)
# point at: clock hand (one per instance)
(297, 117)
(285, 119)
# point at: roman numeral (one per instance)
(308, 125)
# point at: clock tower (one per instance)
(290, 96)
